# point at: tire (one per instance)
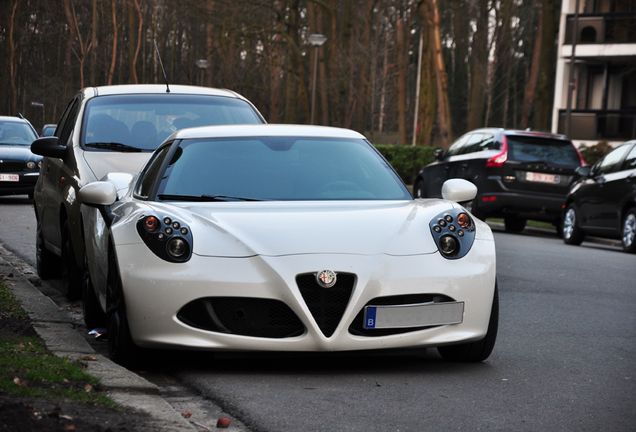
(71, 273)
(474, 352)
(514, 224)
(628, 232)
(121, 348)
(571, 231)
(94, 317)
(418, 190)
(47, 263)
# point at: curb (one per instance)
(58, 332)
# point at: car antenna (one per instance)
(21, 116)
(162, 69)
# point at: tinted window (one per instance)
(480, 142)
(550, 151)
(281, 168)
(150, 172)
(630, 161)
(16, 133)
(145, 121)
(610, 161)
(457, 146)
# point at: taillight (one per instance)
(499, 159)
(583, 163)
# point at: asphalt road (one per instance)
(565, 358)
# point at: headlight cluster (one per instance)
(169, 239)
(453, 232)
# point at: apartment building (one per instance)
(603, 101)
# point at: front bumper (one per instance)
(156, 291)
(24, 185)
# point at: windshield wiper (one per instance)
(204, 198)
(113, 146)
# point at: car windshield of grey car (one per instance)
(15, 133)
(142, 122)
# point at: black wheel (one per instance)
(94, 316)
(514, 224)
(571, 232)
(480, 350)
(418, 190)
(71, 273)
(628, 233)
(47, 263)
(121, 348)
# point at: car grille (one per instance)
(327, 305)
(357, 325)
(243, 316)
(11, 166)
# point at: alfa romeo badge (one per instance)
(326, 278)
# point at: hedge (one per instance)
(407, 160)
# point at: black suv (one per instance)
(519, 175)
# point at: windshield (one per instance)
(16, 133)
(141, 122)
(549, 151)
(279, 168)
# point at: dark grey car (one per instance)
(519, 175)
(19, 168)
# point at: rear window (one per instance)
(550, 151)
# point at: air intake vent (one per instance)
(326, 304)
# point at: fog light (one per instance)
(177, 248)
(151, 224)
(448, 245)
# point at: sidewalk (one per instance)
(123, 386)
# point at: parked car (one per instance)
(19, 168)
(284, 238)
(519, 175)
(111, 129)
(603, 202)
(48, 130)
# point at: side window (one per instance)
(149, 174)
(66, 123)
(456, 147)
(630, 161)
(473, 143)
(609, 162)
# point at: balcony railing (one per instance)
(602, 28)
(610, 125)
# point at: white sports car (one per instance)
(284, 238)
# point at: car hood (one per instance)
(309, 227)
(101, 163)
(22, 153)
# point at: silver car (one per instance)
(111, 129)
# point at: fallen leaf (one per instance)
(186, 414)
(88, 388)
(69, 427)
(89, 358)
(223, 423)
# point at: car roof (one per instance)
(14, 119)
(254, 130)
(517, 132)
(156, 89)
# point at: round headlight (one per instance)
(448, 245)
(151, 224)
(178, 248)
(31, 165)
(463, 220)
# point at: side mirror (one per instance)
(49, 147)
(584, 171)
(98, 194)
(459, 190)
(438, 155)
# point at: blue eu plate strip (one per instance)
(369, 317)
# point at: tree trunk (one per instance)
(111, 72)
(533, 79)
(12, 60)
(444, 117)
(545, 86)
(401, 62)
(480, 69)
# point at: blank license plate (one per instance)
(9, 177)
(415, 315)
(542, 178)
